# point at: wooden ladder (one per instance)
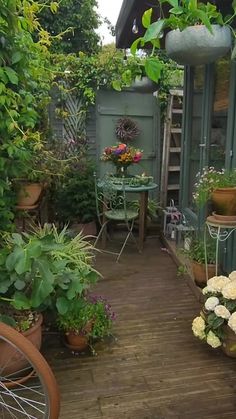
(170, 171)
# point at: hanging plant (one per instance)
(126, 129)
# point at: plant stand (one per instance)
(220, 232)
(30, 213)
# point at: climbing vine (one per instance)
(24, 84)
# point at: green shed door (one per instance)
(144, 110)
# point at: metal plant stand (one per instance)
(220, 231)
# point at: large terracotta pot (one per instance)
(195, 45)
(224, 201)
(199, 272)
(34, 334)
(29, 194)
(229, 342)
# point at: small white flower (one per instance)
(217, 283)
(232, 276)
(198, 327)
(211, 303)
(229, 291)
(206, 290)
(222, 311)
(213, 340)
(232, 322)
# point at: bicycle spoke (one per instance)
(28, 389)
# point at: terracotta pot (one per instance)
(29, 194)
(199, 272)
(229, 342)
(76, 342)
(224, 201)
(34, 334)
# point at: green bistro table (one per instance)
(143, 205)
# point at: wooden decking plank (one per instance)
(155, 369)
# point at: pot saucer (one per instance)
(223, 218)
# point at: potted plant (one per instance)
(74, 198)
(37, 169)
(86, 318)
(132, 76)
(216, 324)
(220, 187)
(193, 26)
(196, 254)
(36, 268)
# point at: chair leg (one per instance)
(130, 228)
(100, 233)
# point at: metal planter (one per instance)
(195, 45)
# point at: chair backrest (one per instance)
(110, 196)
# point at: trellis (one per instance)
(74, 124)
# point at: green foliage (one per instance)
(74, 196)
(38, 269)
(209, 180)
(186, 13)
(85, 75)
(73, 26)
(182, 270)
(196, 250)
(24, 84)
(89, 316)
(152, 207)
(182, 14)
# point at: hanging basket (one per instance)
(195, 45)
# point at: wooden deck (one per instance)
(155, 369)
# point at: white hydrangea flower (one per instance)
(211, 303)
(213, 340)
(217, 283)
(205, 290)
(222, 311)
(198, 327)
(232, 276)
(232, 322)
(229, 291)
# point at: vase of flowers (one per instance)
(220, 187)
(122, 156)
(217, 321)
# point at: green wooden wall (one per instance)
(143, 108)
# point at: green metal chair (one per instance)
(111, 204)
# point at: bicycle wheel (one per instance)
(28, 390)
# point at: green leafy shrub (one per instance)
(74, 198)
(44, 269)
(196, 251)
(91, 316)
